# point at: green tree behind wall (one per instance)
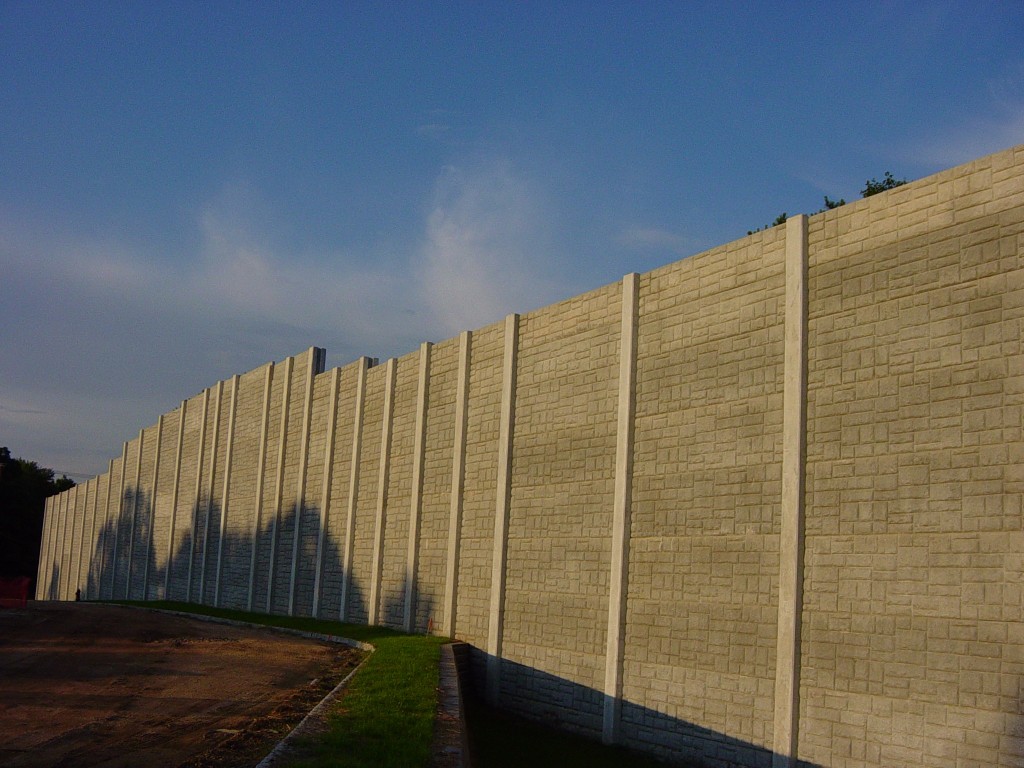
(24, 487)
(871, 187)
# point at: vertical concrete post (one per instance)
(312, 368)
(353, 487)
(51, 560)
(382, 492)
(59, 546)
(325, 492)
(503, 498)
(619, 573)
(261, 468)
(105, 563)
(93, 544)
(59, 543)
(175, 493)
(197, 494)
(152, 506)
(117, 521)
(451, 580)
(416, 501)
(282, 444)
(73, 555)
(226, 496)
(210, 485)
(84, 545)
(46, 559)
(44, 549)
(135, 512)
(81, 514)
(62, 554)
(791, 545)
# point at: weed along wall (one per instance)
(757, 507)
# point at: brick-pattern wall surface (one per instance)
(267, 530)
(478, 500)
(559, 545)
(124, 522)
(358, 607)
(896, 509)
(439, 442)
(912, 640)
(700, 635)
(163, 498)
(282, 586)
(215, 510)
(236, 554)
(341, 478)
(391, 596)
(187, 507)
(311, 525)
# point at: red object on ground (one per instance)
(14, 592)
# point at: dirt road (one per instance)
(97, 685)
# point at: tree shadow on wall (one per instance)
(393, 609)
(129, 561)
(53, 592)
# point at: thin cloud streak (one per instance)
(487, 249)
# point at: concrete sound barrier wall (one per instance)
(761, 506)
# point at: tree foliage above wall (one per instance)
(24, 487)
(871, 187)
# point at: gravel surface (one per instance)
(98, 685)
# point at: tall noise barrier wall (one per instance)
(757, 507)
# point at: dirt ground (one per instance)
(99, 685)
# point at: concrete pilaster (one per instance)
(226, 495)
(382, 492)
(353, 487)
(135, 512)
(44, 551)
(93, 548)
(325, 492)
(196, 496)
(261, 468)
(152, 506)
(503, 497)
(787, 664)
(175, 490)
(416, 500)
(211, 483)
(458, 481)
(313, 366)
(105, 563)
(282, 444)
(621, 508)
(117, 520)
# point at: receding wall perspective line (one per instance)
(758, 507)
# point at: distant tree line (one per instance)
(24, 487)
(871, 187)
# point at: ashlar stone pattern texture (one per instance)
(352, 494)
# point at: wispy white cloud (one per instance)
(999, 126)
(651, 238)
(487, 248)
(106, 338)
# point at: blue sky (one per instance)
(188, 190)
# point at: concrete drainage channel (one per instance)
(451, 739)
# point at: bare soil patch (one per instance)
(99, 685)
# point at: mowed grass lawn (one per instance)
(385, 718)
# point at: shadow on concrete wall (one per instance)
(191, 577)
(129, 562)
(53, 592)
(555, 702)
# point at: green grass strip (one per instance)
(386, 717)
